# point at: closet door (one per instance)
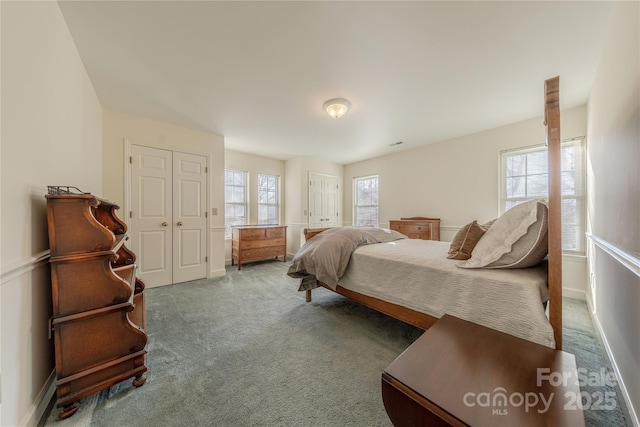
(331, 201)
(189, 210)
(168, 216)
(151, 213)
(323, 200)
(316, 200)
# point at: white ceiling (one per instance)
(259, 72)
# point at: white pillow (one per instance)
(517, 239)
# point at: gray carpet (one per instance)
(579, 338)
(246, 350)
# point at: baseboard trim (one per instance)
(623, 389)
(217, 273)
(574, 293)
(39, 406)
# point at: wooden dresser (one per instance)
(254, 242)
(459, 373)
(98, 303)
(417, 227)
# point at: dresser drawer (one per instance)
(417, 229)
(257, 253)
(253, 234)
(412, 228)
(415, 235)
(265, 243)
(273, 233)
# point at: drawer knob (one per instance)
(179, 223)
(164, 224)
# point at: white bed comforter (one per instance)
(416, 274)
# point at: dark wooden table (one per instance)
(460, 373)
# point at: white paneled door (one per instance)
(190, 223)
(323, 200)
(168, 215)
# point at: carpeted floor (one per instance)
(246, 350)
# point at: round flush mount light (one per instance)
(336, 107)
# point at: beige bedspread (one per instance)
(416, 274)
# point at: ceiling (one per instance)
(258, 72)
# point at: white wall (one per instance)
(118, 127)
(255, 165)
(458, 181)
(614, 193)
(51, 135)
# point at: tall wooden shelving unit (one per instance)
(98, 303)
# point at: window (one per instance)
(268, 205)
(235, 199)
(525, 177)
(365, 209)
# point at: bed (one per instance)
(415, 282)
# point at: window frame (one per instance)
(275, 205)
(579, 194)
(245, 203)
(355, 200)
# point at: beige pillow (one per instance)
(517, 239)
(487, 225)
(465, 240)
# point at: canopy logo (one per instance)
(500, 401)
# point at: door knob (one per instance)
(179, 223)
(164, 224)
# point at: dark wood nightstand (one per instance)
(459, 373)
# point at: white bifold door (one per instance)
(323, 200)
(168, 215)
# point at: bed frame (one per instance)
(552, 128)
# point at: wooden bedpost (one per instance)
(552, 127)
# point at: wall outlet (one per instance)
(306, 212)
(214, 211)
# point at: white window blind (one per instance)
(235, 199)
(268, 200)
(365, 210)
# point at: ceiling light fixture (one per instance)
(336, 107)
